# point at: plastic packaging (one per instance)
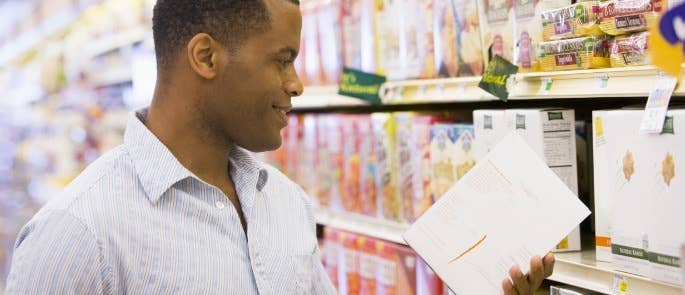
(577, 20)
(630, 50)
(574, 54)
(625, 16)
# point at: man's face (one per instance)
(248, 100)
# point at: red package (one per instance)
(335, 153)
(292, 146)
(396, 269)
(349, 266)
(332, 251)
(427, 282)
(367, 162)
(367, 265)
(350, 187)
(308, 157)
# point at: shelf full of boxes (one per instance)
(362, 186)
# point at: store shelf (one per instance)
(118, 75)
(117, 40)
(611, 82)
(577, 268)
(315, 97)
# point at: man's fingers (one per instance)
(537, 273)
(548, 263)
(508, 287)
(520, 281)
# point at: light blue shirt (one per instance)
(137, 222)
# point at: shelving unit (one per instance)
(317, 97)
(575, 268)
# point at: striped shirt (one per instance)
(137, 222)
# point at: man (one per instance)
(182, 207)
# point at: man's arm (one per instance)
(57, 254)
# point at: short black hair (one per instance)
(175, 22)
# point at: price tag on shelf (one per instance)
(461, 91)
(441, 90)
(602, 81)
(620, 285)
(657, 105)
(545, 85)
(421, 93)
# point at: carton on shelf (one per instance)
(367, 161)
(497, 28)
(386, 177)
(451, 155)
(329, 18)
(445, 38)
(368, 262)
(334, 175)
(291, 144)
(396, 269)
(324, 163)
(427, 282)
(469, 42)
(418, 44)
(359, 48)
(312, 57)
(551, 134)
(390, 36)
(489, 128)
(602, 184)
(348, 273)
(351, 164)
(332, 254)
(307, 157)
(404, 155)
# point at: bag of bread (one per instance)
(574, 54)
(630, 50)
(626, 16)
(577, 20)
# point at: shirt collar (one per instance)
(158, 169)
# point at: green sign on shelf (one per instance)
(364, 86)
(495, 78)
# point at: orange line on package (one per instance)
(470, 249)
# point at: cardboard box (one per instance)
(427, 282)
(348, 273)
(324, 163)
(418, 43)
(404, 155)
(602, 184)
(451, 155)
(367, 160)
(445, 39)
(396, 269)
(551, 134)
(332, 254)
(308, 161)
(489, 128)
(329, 19)
(351, 164)
(390, 35)
(292, 147)
(667, 200)
(497, 28)
(469, 43)
(368, 262)
(312, 61)
(386, 181)
(359, 48)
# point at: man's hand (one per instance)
(520, 284)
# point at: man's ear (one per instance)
(203, 55)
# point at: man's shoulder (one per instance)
(284, 183)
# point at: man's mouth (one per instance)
(282, 111)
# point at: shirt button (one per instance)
(220, 205)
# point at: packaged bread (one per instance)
(577, 20)
(630, 50)
(497, 28)
(625, 16)
(528, 34)
(574, 54)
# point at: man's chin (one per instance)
(265, 146)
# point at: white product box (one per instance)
(667, 199)
(551, 134)
(489, 128)
(602, 194)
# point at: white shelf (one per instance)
(323, 97)
(576, 268)
(117, 40)
(611, 82)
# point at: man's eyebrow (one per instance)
(293, 53)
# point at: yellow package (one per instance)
(625, 16)
(577, 20)
(528, 34)
(574, 54)
(630, 50)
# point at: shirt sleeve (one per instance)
(57, 254)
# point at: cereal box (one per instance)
(445, 38)
(292, 146)
(427, 282)
(418, 44)
(351, 168)
(324, 163)
(328, 20)
(551, 134)
(396, 269)
(602, 188)
(469, 43)
(451, 152)
(386, 181)
(528, 33)
(404, 155)
(349, 264)
(335, 152)
(312, 62)
(389, 25)
(332, 254)
(489, 128)
(367, 265)
(497, 25)
(367, 161)
(307, 157)
(358, 33)
(625, 16)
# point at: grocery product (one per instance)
(451, 153)
(497, 28)
(391, 36)
(396, 269)
(386, 181)
(404, 155)
(367, 162)
(551, 134)
(418, 43)
(427, 282)
(324, 163)
(308, 157)
(489, 128)
(574, 54)
(329, 20)
(332, 254)
(630, 50)
(312, 62)
(577, 20)
(528, 33)
(469, 43)
(368, 262)
(349, 264)
(359, 47)
(625, 16)
(351, 164)
(445, 38)
(602, 189)
(291, 145)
